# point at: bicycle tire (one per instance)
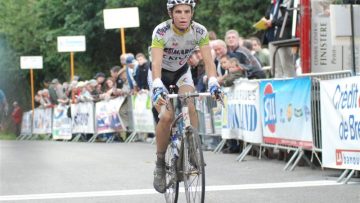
(172, 191)
(193, 167)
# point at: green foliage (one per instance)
(31, 27)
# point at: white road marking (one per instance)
(152, 191)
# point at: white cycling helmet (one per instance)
(171, 3)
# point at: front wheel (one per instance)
(193, 166)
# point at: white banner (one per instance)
(26, 123)
(82, 116)
(340, 123)
(143, 117)
(31, 62)
(61, 123)
(241, 117)
(107, 116)
(42, 121)
(121, 18)
(71, 43)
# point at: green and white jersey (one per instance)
(178, 46)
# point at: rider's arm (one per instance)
(208, 61)
(157, 56)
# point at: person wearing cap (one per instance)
(131, 68)
(16, 116)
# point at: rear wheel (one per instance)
(194, 170)
(172, 184)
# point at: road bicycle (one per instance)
(184, 157)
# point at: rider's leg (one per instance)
(191, 104)
(162, 132)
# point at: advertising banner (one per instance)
(107, 116)
(61, 123)
(286, 112)
(26, 123)
(82, 116)
(241, 115)
(340, 123)
(42, 121)
(143, 117)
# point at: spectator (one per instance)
(197, 65)
(260, 53)
(100, 79)
(53, 91)
(115, 73)
(45, 99)
(142, 71)
(233, 40)
(248, 45)
(4, 108)
(212, 35)
(275, 17)
(109, 89)
(85, 95)
(131, 69)
(220, 49)
(38, 97)
(246, 59)
(235, 70)
(16, 116)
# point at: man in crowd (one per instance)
(142, 71)
(246, 59)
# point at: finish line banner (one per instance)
(340, 123)
(286, 112)
(61, 123)
(241, 115)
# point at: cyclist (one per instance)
(173, 41)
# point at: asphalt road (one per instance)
(45, 171)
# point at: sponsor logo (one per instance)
(269, 108)
(200, 30)
(162, 31)
(347, 157)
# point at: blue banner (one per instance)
(286, 111)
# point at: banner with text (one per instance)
(143, 117)
(340, 123)
(82, 116)
(241, 115)
(61, 123)
(42, 121)
(26, 123)
(107, 116)
(286, 112)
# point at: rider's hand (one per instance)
(214, 88)
(158, 96)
